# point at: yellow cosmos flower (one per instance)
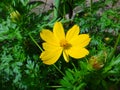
(57, 43)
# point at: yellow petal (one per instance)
(48, 36)
(74, 31)
(50, 57)
(66, 56)
(59, 31)
(77, 52)
(82, 40)
(48, 46)
(48, 54)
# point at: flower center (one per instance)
(65, 44)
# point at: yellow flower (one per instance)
(107, 39)
(15, 16)
(57, 43)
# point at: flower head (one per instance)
(95, 63)
(57, 43)
(15, 16)
(99, 60)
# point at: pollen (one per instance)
(65, 44)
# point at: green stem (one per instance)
(56, 4)
(35, 42)
(91, 1)
(114, 49)
(74, 66)
(91, 14)
(58, 69)
(64, 9)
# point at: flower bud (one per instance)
(15, 16)
(97, 61)
(107, 39)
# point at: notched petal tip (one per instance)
(81, 40)
(45, 33)
(48, 36)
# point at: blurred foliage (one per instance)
(20, 65)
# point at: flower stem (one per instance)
(64, 10)
(114, 49)
(91, 2)
(74, 66)
(56, 8)
(35, 42)
(58, 69)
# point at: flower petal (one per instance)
(66, 56)
(48, 36)
(78, 52)
(82, 40)
(58, 31)
(47, 46)
(74, 31)
(50, 57)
